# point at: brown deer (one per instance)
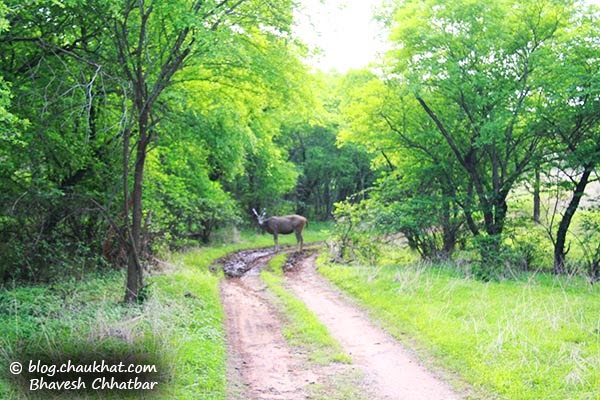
(284, 225)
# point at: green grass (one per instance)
(80, 321)
(186, 310)
(179, 328)
(86, 320)
(302, 328)
(535, 338)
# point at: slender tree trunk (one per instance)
(449, 225)
(449, 239)
(563, 228)
(467, 210)
(135, 275)
(536, 196)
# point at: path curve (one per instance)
(262, 365)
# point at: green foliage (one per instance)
(268, 177)
(468, 103)
(185, 203)
(588, 240)
(472, 84)
(533, 338)
(330, 170)
(329, 173)
(352, 238)
(78, 117)
(493, 262)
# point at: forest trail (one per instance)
(262, 364)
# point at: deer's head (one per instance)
(261, 217)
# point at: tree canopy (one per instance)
(130, 127)
(468, 103)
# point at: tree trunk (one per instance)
(449, 225)
(467, 210)
(449, 241)
(135, 276)
(563, 228)
(536, 197)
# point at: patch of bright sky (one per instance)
(342, 30)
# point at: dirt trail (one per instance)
(394, 372)
(264, 367)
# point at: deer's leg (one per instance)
(275, 236)
(300, 239)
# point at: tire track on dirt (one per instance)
(262, 366)
(389, 368)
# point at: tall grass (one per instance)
(533, 338)
(73, 320)
(185, 309)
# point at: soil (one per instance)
(263, 366)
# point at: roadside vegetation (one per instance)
(533, 337)
(475, 142)
(178, 327)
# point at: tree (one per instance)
(422, 188)
(329, 173)
(572, 102)
(475, 70)
(58, 166)
(153, 41)
(97, 75)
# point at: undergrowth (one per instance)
(77, 321)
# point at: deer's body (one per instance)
(283, 225)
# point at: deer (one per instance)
(282, 225)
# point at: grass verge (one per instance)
(536, 338)
(80, 321)
(178, 329)
(186, 310)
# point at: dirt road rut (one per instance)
(262, 364)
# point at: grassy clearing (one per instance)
(535, 338)
(302, 329)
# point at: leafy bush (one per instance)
(353, 237)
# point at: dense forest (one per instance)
(129, 128)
